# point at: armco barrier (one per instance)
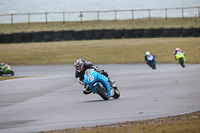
(167, 32)
(18, 37)
(7, 38)
(138, 33)
(68, 35)
(176, 32)
(118, 33)
(28, 37)
(48, 36)
(128, 33)
(108, 33)
(88, 34)
(98, 34)
(37, 36)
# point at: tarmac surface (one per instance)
(51, 98)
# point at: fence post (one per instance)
(11, 18)
(132, 14)
(199, 11)
(149, 14)
(115, 15)
(81, 15)
(166, 13)
(182, 12)
(46, 18)
(63, 17)
(29, 18)
(98, 16)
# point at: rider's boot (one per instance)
(87, 90)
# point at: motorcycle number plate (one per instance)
(112, 92)
(91, 78)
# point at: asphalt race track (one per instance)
(52, 98)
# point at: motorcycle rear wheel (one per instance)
(102, 92)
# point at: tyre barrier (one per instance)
(17, 37)
(1, 38)
(58, 35)
(68, 35)
(27, 37)
(48, 36)
(98, 34)
(78, 35)
(157, 32)
(187, 32)
(108, 34)
(138, 33)
(196, 32)
(167, 32)
(128, 33)
(7, 38)
(176, 32)
(118, 34)
(88, 34)
(37, 36)
(147, 33)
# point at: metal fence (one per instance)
(100, 15)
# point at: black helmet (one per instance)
(79, 65)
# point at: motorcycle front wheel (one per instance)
(102, 92)
(12, 73)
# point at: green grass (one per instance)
(187, 123)
(110, 24)
(114, 51)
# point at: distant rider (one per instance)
(148, 54)
(176, 51)
(81, 66)
(3, 66)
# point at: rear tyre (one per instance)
(102, 92)
(1, 73)
(117, 93)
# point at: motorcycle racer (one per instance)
(148, 54)
(178, 50)
(81, 66)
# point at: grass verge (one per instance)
(7, 78)
(187, 123)
(105, 24)
(114, 51)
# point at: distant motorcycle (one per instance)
(180, 58)
(6, 70)
(100, 85)
(151, 61)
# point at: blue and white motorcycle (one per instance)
(100, 85)
(151, 61)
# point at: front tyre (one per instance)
(102, 92)
(181, 61)
(116, 93)
(12, 73)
